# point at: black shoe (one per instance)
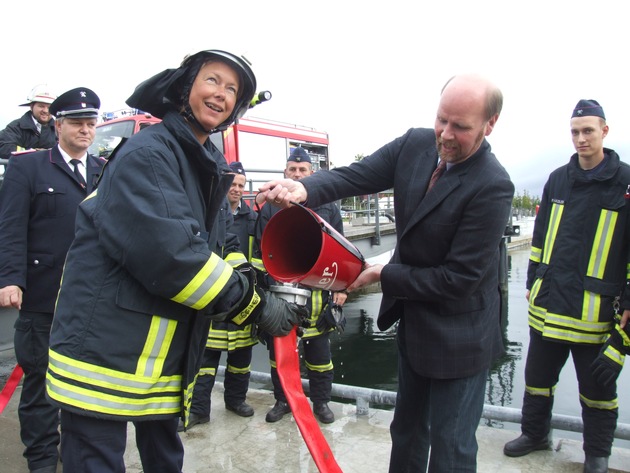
(243, 409)
(595, 464)
(323, 413)
(193, 420)
(524, 445)
(278, 411)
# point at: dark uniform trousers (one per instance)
(316, 353)
(92, 445)
(237, 374)
(549, 357)
(39, 420)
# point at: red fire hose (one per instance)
(288, 365)
(9, 388)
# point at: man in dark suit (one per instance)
(441, 284)
(38, 204)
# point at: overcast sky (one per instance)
(364, 72)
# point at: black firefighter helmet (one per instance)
(170, 89)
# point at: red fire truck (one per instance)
(261, 145)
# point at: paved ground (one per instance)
(360, 444)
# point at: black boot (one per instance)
(243, 409)
(595, 464)
(193, 420)
(323, 413)
(278, 411)
(524, 445)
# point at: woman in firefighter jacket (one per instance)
(141, 283)
(576, 278)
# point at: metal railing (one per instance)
(363, 397)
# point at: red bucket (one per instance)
(298, 246)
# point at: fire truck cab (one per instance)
(261, 145)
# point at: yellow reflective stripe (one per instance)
(207, 371)
(317, 303)
(156, 346)
(628, 271)
(615, 355)
(206, 284)
(319, 368)
(229, 340)
(109, 403)
(100, 389)
(608, 405)
(552, 230)
(247, 311)
(601, 328)
(235, 259)
(601, 243)
(560, 327)
(273, 364)
(546, 392)
(624, 335)
(591, 304)
(535, 254)
(258, 264)
(110, 379)
(250, 246)
(234, 370)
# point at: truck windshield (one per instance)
(108, 137)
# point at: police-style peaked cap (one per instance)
(76, 103)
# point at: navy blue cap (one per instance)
(237, 168)
(299, 155)
(588, 108)
(76, 103)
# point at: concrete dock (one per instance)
(360, 443)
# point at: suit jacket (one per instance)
(442, 282)
(38, 203)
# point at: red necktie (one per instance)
(436, 174)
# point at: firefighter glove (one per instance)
(272, 315)
(608, 364)
(331, 318)
(279, 316)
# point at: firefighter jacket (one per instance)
(22, 134)
(233, 244)
(580, 258)
(140, 284)
(318, 299)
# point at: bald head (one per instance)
(469, 108)
(481, 88)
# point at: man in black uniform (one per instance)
(38, 204)
(225, 336)
(33, 130)
(316, 338)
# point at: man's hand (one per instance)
(371, 273)
(281, 193)
(11, 296)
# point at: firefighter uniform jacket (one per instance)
(22, 134)
(141, 284)
(580, 258)
(318, 299)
